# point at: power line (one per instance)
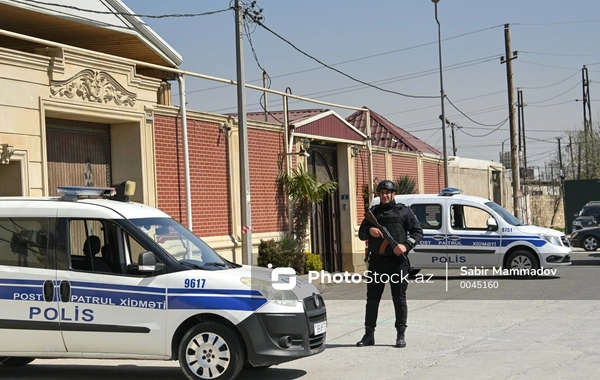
(560, 54)
(437, 105)
(258, 22)
(358, 59)
(552, 105)
(473, 121)
(487, 134)
(554, 97)
(346, 89)
(555, 67)
(123, 13)
(555, 23)
(551, 85)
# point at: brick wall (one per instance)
(268, 201)
(403, 165)
(361, 171)
(209, 174)
(434, 177)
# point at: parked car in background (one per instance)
(586, 238)
(589, 216)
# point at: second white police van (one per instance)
(463, 231)
(107, 278)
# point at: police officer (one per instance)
(391, 262)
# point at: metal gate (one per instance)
(78, 154)
(325, 222)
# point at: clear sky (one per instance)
(393, 44)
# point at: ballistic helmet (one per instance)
(386, 185)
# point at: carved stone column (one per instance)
(164, 94)
(6, 151)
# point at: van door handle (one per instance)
(454, 237)
(438, 237)
(65, 291)
(48, 291)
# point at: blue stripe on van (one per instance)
(215, 303)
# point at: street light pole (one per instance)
(442, 95)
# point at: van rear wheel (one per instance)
(210, 350)
(16, 361)
(521, 261)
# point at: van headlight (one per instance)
(279, 297)
(552, 239)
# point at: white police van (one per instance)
(109, 279)
(467, 231)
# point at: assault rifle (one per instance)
(386, 234)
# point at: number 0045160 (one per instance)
(479, 284)
(194, 283)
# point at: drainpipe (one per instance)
(288, 159)
(186, 156)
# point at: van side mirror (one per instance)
(492, 225)
(146, 262)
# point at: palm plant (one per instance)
(304, 189)
(405, 185)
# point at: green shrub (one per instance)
(283, 252)
(312, 262)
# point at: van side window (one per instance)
(464, 217)
(429, 215)
(27, 242)
(88, 244)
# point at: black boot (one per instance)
(400, 342)
(368, 339)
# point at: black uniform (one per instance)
(399, 221)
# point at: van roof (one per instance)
(89, 208)
(400, 198)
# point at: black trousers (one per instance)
(392, 270)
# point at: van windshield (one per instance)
(180, 243)
(507, 216)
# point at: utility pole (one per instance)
(246, 218)
(572, 161)
(587, 121)
(522, 139)
(509, 56)
(562, 181)
(453, 125)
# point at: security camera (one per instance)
(305, 154)
(225, 127)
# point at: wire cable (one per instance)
(123, 13)
(487, 134)
(261, 24)
(550, 85)
(473, 121)
(554, 97)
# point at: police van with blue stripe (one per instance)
(463, 231)
(92, 275)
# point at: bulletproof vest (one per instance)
(389, 217)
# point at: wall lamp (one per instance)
(6, 151)
(354, 150)
(304, 146)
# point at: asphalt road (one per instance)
(551, 333)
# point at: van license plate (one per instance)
(320, 327)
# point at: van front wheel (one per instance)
(210, 350)
(521, 263)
